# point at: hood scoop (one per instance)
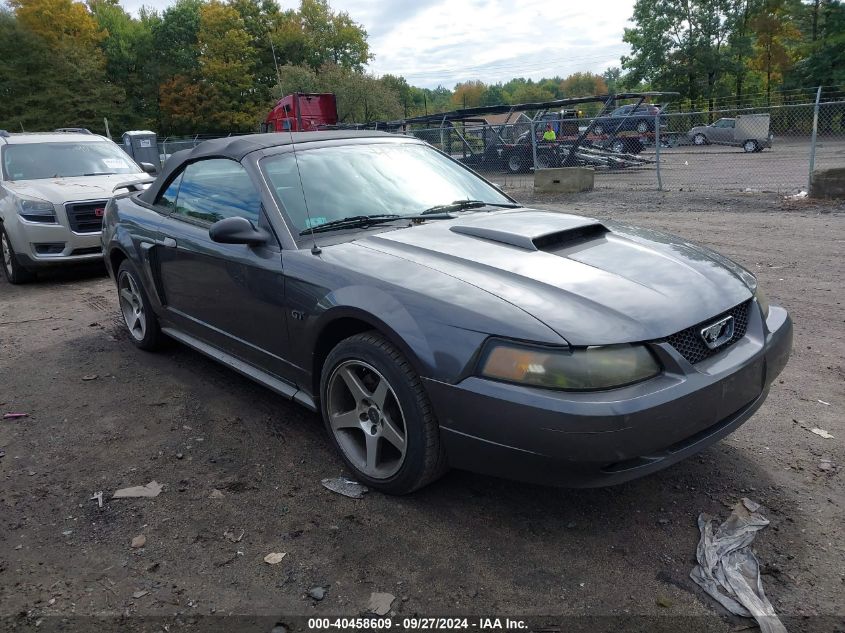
(544, 239)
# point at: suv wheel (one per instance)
(378, 415)
(699, 139)
(15, 273)
(135, 308)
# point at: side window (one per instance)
(167, 198)
(215, 189)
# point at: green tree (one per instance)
(583, 85)
(775, 35)
(469, 94)
(52, 71)
(332, 38)
(680, 44)
(226, 63)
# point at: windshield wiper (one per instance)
(353, 221)
(460, 205)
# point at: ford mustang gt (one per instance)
(434, 322)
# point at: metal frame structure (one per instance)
(576, 151)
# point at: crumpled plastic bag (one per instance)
(727, 568)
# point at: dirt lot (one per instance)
(465, 545)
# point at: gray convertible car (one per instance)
(434, 322)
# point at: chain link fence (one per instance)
(759, 149)
(731, 148)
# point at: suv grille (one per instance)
(83, 216)
(691, 346)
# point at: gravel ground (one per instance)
(104, 415)
(782, 169)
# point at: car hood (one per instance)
(61, 190)
(593, 283)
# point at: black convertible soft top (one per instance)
(236, 147)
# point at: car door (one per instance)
(722, 131)
(231, 296)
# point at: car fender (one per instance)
(386, 314)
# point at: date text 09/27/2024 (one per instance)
(417, 623)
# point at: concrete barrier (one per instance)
(564, 179)
(828, 183)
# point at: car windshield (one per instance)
(370, 179)
(35, 161)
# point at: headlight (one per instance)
(34, 210)
(581, 369)
(762, 300)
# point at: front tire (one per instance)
(141, 322)
(378, 415)
(15, 273)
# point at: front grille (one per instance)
(691, 346)
(83, 216)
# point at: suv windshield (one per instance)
(34, 161)
(372, 179)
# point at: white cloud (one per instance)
(433, 42)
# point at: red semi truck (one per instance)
(302, 112)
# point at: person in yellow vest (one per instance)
(549, 134)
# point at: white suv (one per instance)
(53, 190)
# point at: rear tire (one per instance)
(15, 273)
(699, 139)
(378, 416)
(750, 146)
(598, 129)
(545, 161)
(642, 127)
(515, 163)
(138, 316)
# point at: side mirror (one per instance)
(149, 168)
(237, 230)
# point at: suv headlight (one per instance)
(580, 369)
(35, 210)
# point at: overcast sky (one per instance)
(433, 42)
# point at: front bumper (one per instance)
(604, 438)
(44, 245)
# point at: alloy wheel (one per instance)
(132, 306)
(699, 139)
(366, 419)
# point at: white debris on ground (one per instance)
(152, 489)
(728, 569)
(346, 487)
(380, 603)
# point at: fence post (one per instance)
(657, 149)
(534, 144)
(813, 139)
